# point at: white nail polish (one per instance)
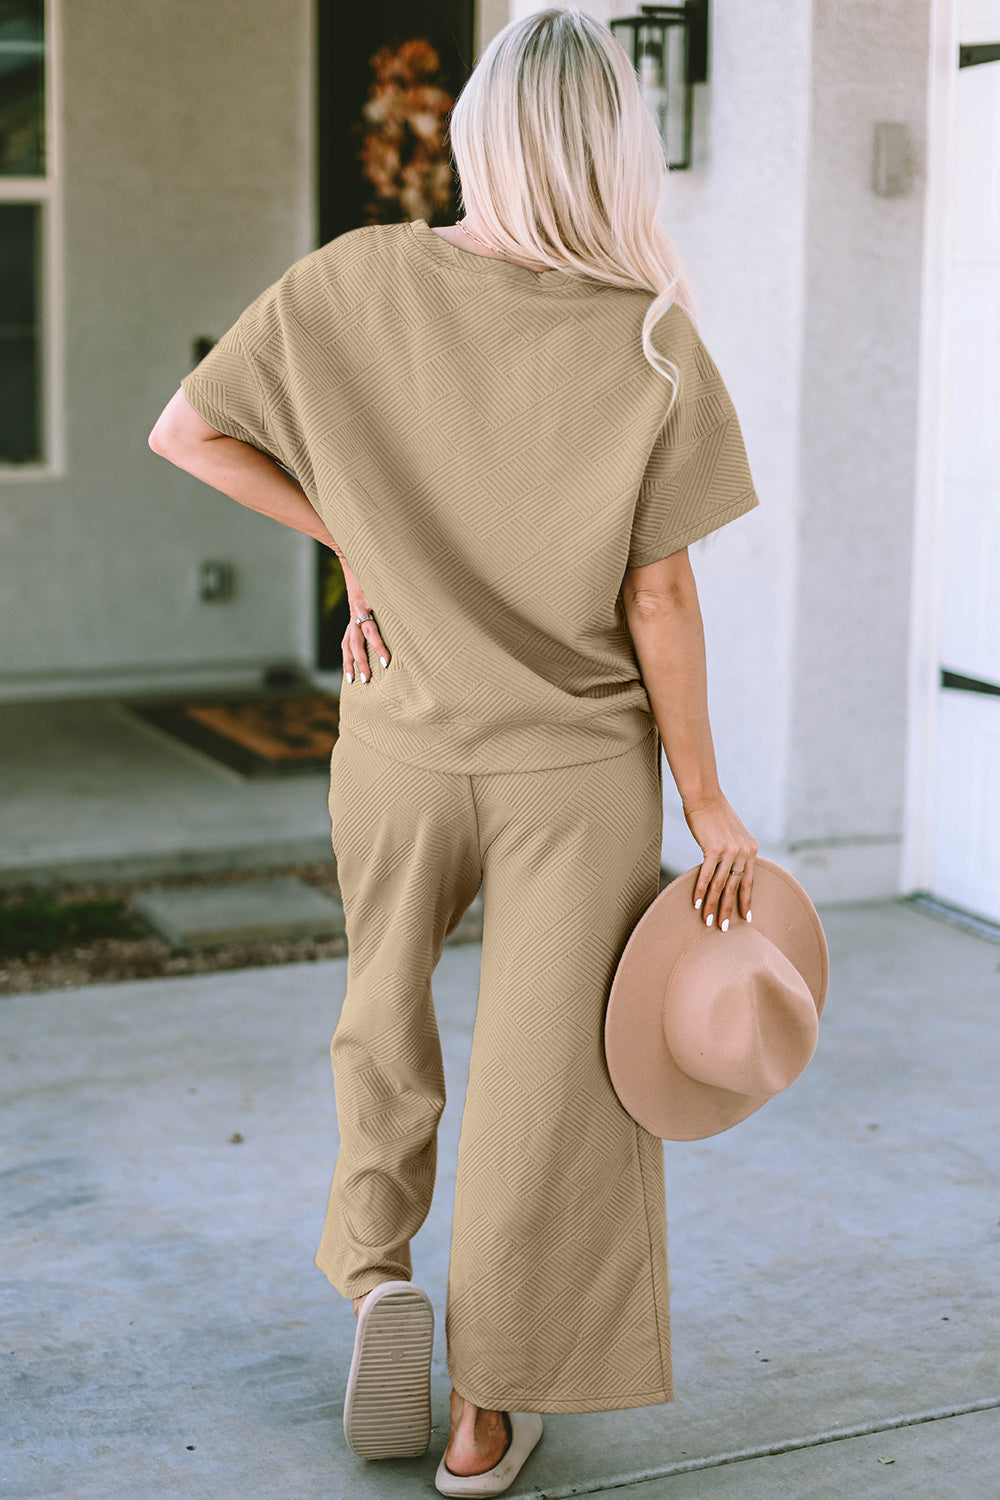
(749, 916)
(710, 919)
(724, 924)
(383, 661)
(349, 677)
(697, 904)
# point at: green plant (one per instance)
(334, 585)
(39, 924)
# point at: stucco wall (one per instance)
(186, 177)
(858, 451)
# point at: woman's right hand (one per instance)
(357, 637)
(725, 880)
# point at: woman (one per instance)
(509, 431)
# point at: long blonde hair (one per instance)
(561, 164)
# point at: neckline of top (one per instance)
(443, 250)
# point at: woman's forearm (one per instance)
(669, 641)
(250, 477)
(664, 616)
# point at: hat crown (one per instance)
(738, 1015)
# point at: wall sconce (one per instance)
(668, 45)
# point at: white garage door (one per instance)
(965, 823)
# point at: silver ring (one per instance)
(362, 618)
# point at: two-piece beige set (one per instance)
(487, 445)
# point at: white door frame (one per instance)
(925, 590)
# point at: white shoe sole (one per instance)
(526, 1429)
(387, 1406)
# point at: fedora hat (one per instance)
(703, 1027)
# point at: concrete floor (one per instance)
(93, 792)
(834, 1258)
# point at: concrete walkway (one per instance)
(835, 1259)
(94, 792)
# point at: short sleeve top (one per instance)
(490, 449)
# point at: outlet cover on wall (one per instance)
(216, 581)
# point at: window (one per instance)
(25, 194)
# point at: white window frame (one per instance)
(46, 191)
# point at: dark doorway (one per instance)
(348, 37)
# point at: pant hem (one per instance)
(535, 1401)
(358, 1286)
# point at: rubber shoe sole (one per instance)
(387, 1407)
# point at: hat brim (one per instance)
(657, 1093)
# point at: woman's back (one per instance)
(487, 444)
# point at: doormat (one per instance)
(270, 736)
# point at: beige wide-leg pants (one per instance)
(557, 1289)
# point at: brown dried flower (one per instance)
(404, 153)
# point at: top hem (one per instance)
(503, 754)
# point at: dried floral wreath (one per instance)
(404, 153)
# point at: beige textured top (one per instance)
(487, 445)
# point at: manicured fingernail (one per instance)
(697, 904)
(724, 924)
(349, 677)
(363, 677)
(709, 919)
(749, 916)
(383, 661)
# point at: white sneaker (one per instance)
(387, 1408)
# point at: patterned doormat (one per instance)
(277, 735)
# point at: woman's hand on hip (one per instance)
(725, 881)
(357, 638)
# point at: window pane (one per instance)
(20, 382)
(22, 88)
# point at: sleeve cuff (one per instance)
(696, 530)
(197, 396)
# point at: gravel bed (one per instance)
(107, 960)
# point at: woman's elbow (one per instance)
(179, 427)
(166, 435)
(662, 588)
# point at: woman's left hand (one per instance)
(729, 850)
(358, 637)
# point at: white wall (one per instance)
(186, 178)
(859, 441)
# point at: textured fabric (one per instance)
(487, 445)
(557, 1290)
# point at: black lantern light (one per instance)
(668, 45)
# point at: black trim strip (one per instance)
(969, 684)
(983, 52)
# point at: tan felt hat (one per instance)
(703, 1026)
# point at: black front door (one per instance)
(378, 45)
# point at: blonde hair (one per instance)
(560, 162)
